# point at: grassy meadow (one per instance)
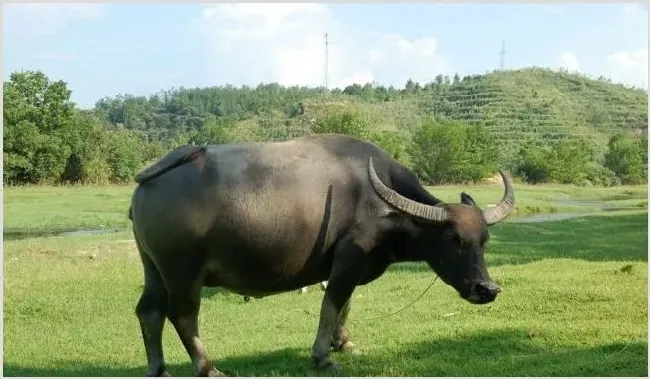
(574, 300)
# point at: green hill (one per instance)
(527, 107)
(519, 104)
(541, 105)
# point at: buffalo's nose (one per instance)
(487, 290)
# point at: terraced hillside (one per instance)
(534, 105)
(540, 104)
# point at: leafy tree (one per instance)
(535, 166)
(628, 158)
(124, 155)
(87, 142)
(38, 119)
(565, 161)
(569, 161)
(354, 89)
(391, 142)
(445, 152)
(213, 131)
(348, 122)
(410, 86)
(599, 175)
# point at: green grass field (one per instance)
(574, 300)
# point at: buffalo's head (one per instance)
(451, 238)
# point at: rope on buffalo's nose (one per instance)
(403, 308)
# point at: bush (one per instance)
(628, 158)
(212, 131)
(564, 161)
(348, 122)
(96, 172)
(124, 155)
(598, 175)
(569, 161)
(393, 143)
(534, 166)
(452, 152)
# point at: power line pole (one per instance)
(326, 61)
(503, 54)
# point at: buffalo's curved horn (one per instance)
(498, 212)
(413, 208)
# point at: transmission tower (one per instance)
(503, 54)
(326, 61)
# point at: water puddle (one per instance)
(583, 203)
(589, 207)
(602, 205)
(543, 217)
(87, 232)
(23, 234)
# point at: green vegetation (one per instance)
(543, 125)
(450, 152)
(47, 210)
(574, 299)
(575, 291)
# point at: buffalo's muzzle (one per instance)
(485, 292)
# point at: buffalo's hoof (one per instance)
(215, 372)
(348, 347)
(325, 364)
(162, 372)
(212, 372)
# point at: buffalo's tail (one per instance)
(170, 161)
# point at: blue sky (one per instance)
(107, 49)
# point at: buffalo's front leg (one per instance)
(346, 269)
(341, 337)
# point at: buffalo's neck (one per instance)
(402, 246)
(406, 184)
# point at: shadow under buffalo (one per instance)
(508, 352)
(590, 238)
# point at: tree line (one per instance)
(48, 140)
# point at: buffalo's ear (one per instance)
(467, 199)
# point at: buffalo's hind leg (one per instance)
(183, 312)
(151, 311)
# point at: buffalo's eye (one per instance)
(455, 239)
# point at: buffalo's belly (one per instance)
(271, 241)
(261, 270)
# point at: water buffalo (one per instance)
(263, 218)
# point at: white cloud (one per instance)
(253, 43)
(569, 61)
(635, 8)
(554, 9)
(630, 67)
(633, 18)
(46, 18)
(51, 56)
